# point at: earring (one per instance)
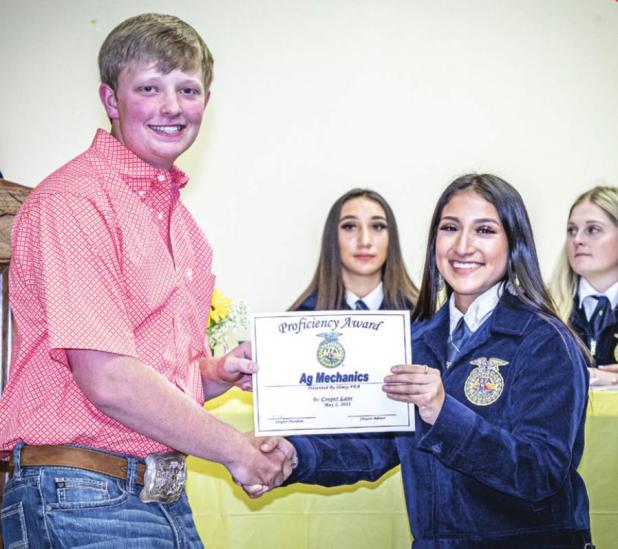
(441, 283)
(512, 287)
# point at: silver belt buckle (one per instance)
(165, 477)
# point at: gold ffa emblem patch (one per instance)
(330, 352)
(616, 349)
(484, 384)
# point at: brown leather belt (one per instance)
(80, 458)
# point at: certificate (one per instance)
(322, 372)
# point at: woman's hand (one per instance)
(604, 375)
(419, 385)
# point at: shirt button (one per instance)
(141, 193)
(161, 177)
(160, 216)
(190, 274)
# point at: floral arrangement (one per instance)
(227, 323)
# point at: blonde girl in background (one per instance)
(585, 283)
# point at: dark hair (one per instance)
(399, 290)
(522, 272)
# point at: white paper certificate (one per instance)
(322, 372)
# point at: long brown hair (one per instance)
(327, 282)
(522, 270)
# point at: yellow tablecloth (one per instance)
(366, 515)
(599, 467)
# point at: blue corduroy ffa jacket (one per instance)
(500, 463)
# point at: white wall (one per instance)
(313, 97)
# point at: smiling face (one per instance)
(471, 247)
(592, 245)
(155, 115)
(363, 242)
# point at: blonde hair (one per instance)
(152, 37)
(564, 281)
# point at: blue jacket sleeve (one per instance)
(530, 454)
(343, 459)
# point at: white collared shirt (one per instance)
(373, 299)
(587, 295)
(479, 311)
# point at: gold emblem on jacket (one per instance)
(485, 383)
(616, 349)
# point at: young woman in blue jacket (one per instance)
(500, 386)
(360, 265)
(585, 284)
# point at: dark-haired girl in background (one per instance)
(500, 385)
(585, 284)
(360, 265)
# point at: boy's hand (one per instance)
(232, 369)
(236, 367)
(278, 453)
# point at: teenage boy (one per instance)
(110, 288)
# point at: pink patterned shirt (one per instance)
(105, 257)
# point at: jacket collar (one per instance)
(578, 318)
(373, 299)
(510, 318)
(434, 333)
(312, 300)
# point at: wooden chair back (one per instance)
(12, 196)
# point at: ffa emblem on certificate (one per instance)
(330, 352)
(484, 384)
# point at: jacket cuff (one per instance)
(307, 459)
(449, 433)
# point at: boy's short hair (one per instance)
(151, 37)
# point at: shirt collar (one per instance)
(585, 290)
(137, 174)
(373, 299)
(479, 311)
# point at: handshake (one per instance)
(258, 464)
(265, 463)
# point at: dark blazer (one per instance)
(606, 351)
(311, 302)
(499, 465)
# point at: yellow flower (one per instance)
(220, 307)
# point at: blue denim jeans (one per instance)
(65, 507)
